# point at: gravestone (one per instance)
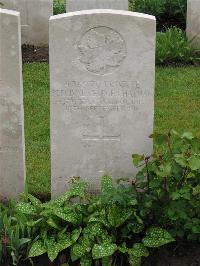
(102, 65)
(193, 22)
(35, 16)
(12, 162)
(77, 5)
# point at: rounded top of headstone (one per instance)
(104, 11)
(9, 12)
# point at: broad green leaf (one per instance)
(23, 241)
(156, 237)
(103, 250)
(139, 250)
(106, 184)
(78, 189)
(196, 190)
(37, 249)
(86, 261)
(107, 261)
(51, 222)
(36, 202)
(53, 248)
(180, 160)
(137, 159)
(194, 163)
(75, 234)
(165, 169)
(64, 242)
(79, 249)
(134, 261)
(187, 135)
(93, 230)
(34, 223)
(118, 216)
(26, 208)
(67, 214)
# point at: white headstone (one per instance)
(102, 65)
(35, 16)
(12, 162)
(193, 22)
(77, 5)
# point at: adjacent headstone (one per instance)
(102, 65)
(35, 16)
(12, 162)
(77, 5)
(193, 22)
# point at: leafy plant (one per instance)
(59, 6)
(168, 13)
(170, 186)
(56, 223)
(174, 47)
(92, 229)
(15, 237)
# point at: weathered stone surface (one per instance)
(193, 22)
(102, 94)
(35, 16)
(77, 5)
(12, 164)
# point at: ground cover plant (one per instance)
(173, 47)
(167, 12)
(119, 226)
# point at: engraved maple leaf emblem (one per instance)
(102, 50)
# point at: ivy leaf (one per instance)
(137, 159)
(53, 248)
(103, 250)
(139, 250)
(156, 237)
(26, 208)
(37, 249)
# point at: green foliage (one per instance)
(123, 222)
(56, 223)
(15, 236)
(171, 183)
(168, 12)
(59, 7)
(174, 47)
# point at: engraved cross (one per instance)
(102, 136)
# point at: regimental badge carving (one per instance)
(101, 50)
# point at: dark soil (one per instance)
(184, 254)
(32, 54)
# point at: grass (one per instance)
(177, 105)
